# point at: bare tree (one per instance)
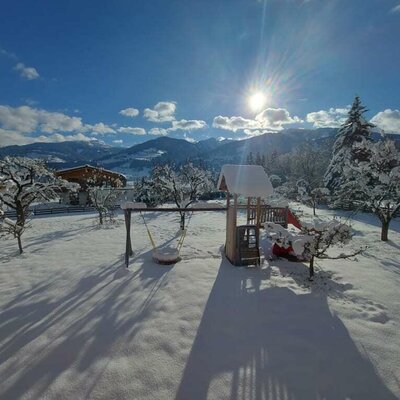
(183, 185)
(25, 181)
(104, 191)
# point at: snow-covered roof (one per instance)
(87, 166)
(247, 180)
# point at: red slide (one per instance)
(292, 219)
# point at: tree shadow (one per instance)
(271, 343)
(80, 326)
(372, 219)
(62, 234)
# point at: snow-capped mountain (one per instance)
(138, 159)
(61, 155)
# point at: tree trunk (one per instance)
(385, 230)
(311, 278)
(182, 224)
(20, 223)
(20, 244)
(313, 209)
(101, 217)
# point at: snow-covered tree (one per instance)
(356, 129)
(183, 185)
(315, 240)
(25, 181)
(276, 180)
(104, 193)
(374, 182)
(146, 192)
(310, 196)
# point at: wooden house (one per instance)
(88, 176)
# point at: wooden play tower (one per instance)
(251, 184)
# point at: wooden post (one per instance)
(128, 245)
(258, 212)
(286, 217)
(248, 210)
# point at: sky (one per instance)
(123, 72)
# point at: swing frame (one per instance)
(128, 218)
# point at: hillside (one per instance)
(61, 155)
(136, 160)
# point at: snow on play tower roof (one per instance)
(247, 180)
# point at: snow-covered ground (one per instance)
(75, 325)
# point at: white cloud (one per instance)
(187, 125)
(9, 138)
(274, 118)
(158, 131)
(129, 112)
(332, 118)
(118, 141)
(57, 137)
(7, 54)
(18, 124)
(98, 129)
(131, 130)
(257, 132)
(25, 119)
(388, 120)
(269, 119)
(25, 72)
(234, 123)
(163, 111)
(396, 9)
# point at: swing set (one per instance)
(242, 241)
(161, 255)
(166, 255)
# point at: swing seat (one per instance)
(166, 255)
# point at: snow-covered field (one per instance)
(75, 325)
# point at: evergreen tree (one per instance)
(250, 159)
(356, 129)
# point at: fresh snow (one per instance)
(246, 180)
(74, 324)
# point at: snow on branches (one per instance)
(314, 240)
(182, 185)
(374, 182)
(104, 192)
(24, 181)
(355, 130)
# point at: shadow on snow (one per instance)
(274, 344)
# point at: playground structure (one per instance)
(242, 241)
(251, 183)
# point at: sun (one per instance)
(257, 101)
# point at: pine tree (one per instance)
(250, 159)
(356, 129)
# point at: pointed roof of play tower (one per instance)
(246, 180)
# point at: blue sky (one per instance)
(187, 68)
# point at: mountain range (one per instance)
(138, 159)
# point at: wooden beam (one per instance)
(176, 209)
(128, 244)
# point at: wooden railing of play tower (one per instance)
(259, 214)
